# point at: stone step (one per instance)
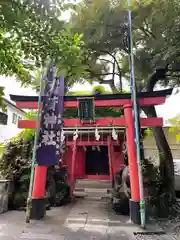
(92, 189)
(93, 181)
(86, 183)
(91, 195)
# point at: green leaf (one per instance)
(2, 103)
(178, 137)
(148, 132)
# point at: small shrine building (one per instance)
(94, 146)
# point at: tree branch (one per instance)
(101, 74)
(119, 70)
(159, 74)
(106, 60)
(147, 33)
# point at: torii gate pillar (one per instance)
(133, 167)
(38, 208)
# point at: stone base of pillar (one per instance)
(135, 212)
(38, 209)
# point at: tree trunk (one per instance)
(166, 167)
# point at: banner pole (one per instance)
(29, 199)
(136, 116)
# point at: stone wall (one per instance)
(4, 192)
(150, 148)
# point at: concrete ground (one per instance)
(82, 220)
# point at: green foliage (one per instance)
(100, 89)
(10, 57)
(102, 31)
(35, 80)
(31, 115)
(155, 28)
(15, 159)
(148, 132)
(156, 41)
(155, 190)
(93, 20)
(68, 50)
(78, 93)
(32, 34)
(175, 122)
(2, 104)
(26, 135)
(15, 165)
(1, 150)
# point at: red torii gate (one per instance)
(115, 100)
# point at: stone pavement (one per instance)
(83, 220)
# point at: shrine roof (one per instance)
(154, 94)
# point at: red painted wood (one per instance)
(99, 103)
(111, 103)
(117, 158)
(152, 101)
(103, 122)
(72, 177)
(69, 163)
(80, 163)
(63, 159)
(27, 105)
(98, 177)
(91, 140)
(76, 122)
(133, 168)
(34, 105)
(99, 122)
(151, 122)
(110, 157)
(39, 185)
(74, 104)
(91, 143)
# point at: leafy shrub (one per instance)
(154, 190)
(15, 165)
